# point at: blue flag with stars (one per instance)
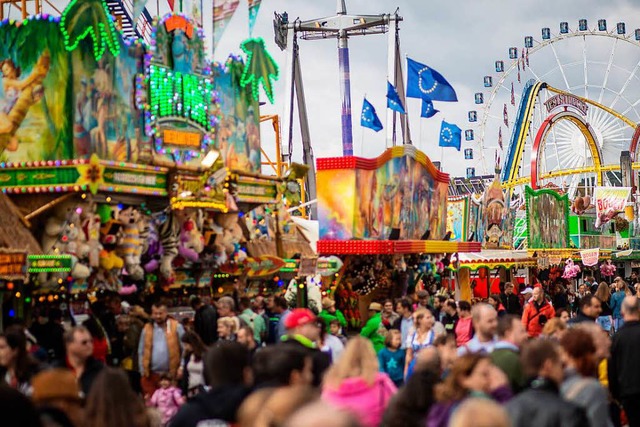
(425, 82)
(393, 100)
(427, 109)
(450, 135)
(369, 118)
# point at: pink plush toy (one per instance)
(607, 269)
(571, 270)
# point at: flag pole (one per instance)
(362, 133)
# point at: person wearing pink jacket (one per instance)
(355, 385)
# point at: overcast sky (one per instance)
(461, 39)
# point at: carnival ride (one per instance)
(342, 26)
(569, 104)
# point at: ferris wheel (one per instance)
(560, 110)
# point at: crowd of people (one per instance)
(524, 357)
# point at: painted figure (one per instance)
(19, 96)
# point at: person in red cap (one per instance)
(303, 331)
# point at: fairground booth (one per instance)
(129, 166)
(386, 217)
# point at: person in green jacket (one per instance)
(372, 329)
(506, 352)
(329, 313)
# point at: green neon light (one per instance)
(174, 94)
(92, 18)
(261, 68)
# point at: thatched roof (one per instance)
(14, 234)
(290, 246)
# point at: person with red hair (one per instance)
(580, 385)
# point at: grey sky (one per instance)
(461, 39)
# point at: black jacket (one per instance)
(511, 304)
(205, 323)
(219, 404)
(580, 318)
(624, 370)
(321, 361)
(542, 406)
(91, 371)
(450, 323)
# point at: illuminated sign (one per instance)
(12, 265)
(49, 263)
(181, 138)
(174, 95)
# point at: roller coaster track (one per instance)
(522, 127)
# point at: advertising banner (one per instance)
(590, 257)
(609, 202)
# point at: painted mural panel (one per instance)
(105, 121)
(398, 198)
(238, 131)
(35, 123)
(457, 218)
(547, 219)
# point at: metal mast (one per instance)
(341, 27)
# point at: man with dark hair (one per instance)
(450, 316)
(228, 374)
(303, 332)
(542, 405)
(510, 300)
(624, 370)
(159, 348)
(246, 337)
(590, 308)
(252, 319)
(404, 324)
(280, 366)
(438, 304)
(205, 321)
(506, 353)
(281, 307)
(79, 350)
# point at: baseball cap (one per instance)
(527, 290)
(299, 317)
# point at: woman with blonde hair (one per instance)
(422, 336)
(605, 319)
(355, 384)
(227, 329)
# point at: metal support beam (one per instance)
(307, 149)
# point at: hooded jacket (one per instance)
(533, 314)
(366, 402)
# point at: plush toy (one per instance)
(63, 235)
(91, 228)
(581, 204)
(130, 244)
(151, 247)
(571, 270)
(169, 233)
(314, 294)
(109, 259)
(607, 269)
(191, 240)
